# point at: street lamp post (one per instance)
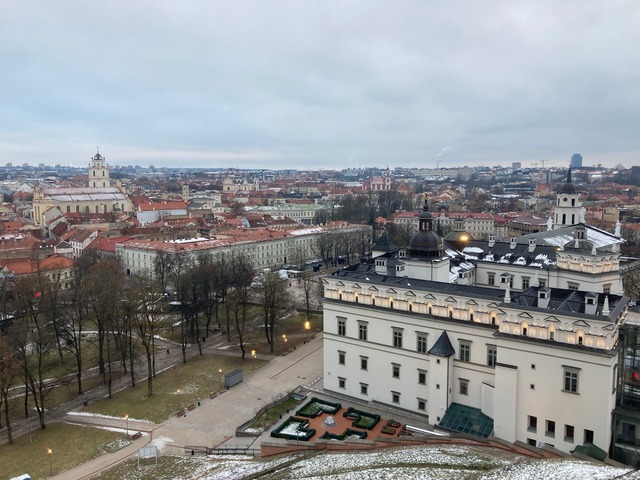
(307, 327)
(220, 372)
(126, 417)
(253, 364)
(49, 452)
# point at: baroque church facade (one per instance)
(517, 339)
(98, 197)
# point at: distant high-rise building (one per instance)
(576, 160)
(516, 165)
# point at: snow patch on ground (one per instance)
(161, 442)
(98, 415)
(111, 429)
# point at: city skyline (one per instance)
(326, 85)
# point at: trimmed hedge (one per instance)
(347, 433)
(362, 419)
(307, 432)
(315, 407)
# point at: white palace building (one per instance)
(517, 339)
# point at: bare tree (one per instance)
(181, 263)
(208, 287)
(104, 295)
(9, 369)
(310, 294)
(242, 275)
(276, 303)
(72, 322)
(35, 342)
(324, 247)
(144, 309)
(162, 267)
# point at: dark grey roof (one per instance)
(565, 235)
(568, 301)
(385, 244)
(561, 300)
(543, 256)
(442, 347)
(366, 272)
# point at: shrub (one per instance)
(362, 419)
(348, 433)
(315, 407)
(300, 433)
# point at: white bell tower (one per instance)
(568, 206)
(98, 172)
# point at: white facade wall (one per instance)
(527, 380)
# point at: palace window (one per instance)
(532, 423)
(525, 283)
(342, 326)
(364, 389)
(422, 404)
(395, 397)
(342, 382)
(421, 346)
(464, 386)
(362, 331)
(464, 354)
(588, 436)
(550, 429)
(570, 380)
(492, 355)
(397, 338)
(364, 363)
(491, 278)
(568, 433)
(341, 358)
(395, 370)
(422, 377)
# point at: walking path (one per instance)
(215, 421)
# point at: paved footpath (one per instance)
(215, 421)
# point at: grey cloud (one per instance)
(314, 82)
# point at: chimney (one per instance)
(544, 296)
(605, 307)
(536, 282)
(590, 303)
(513, 243)
(492, 240)
(532, 245)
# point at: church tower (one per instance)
(568, 206)
(98, 172)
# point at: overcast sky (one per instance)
(319, 84)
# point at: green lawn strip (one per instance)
(71, 446)
(269, 417)
(173, 389)
(60, 394)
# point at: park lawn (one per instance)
(71, 445)
(60, 394)
(270, 416)
(173, 389)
